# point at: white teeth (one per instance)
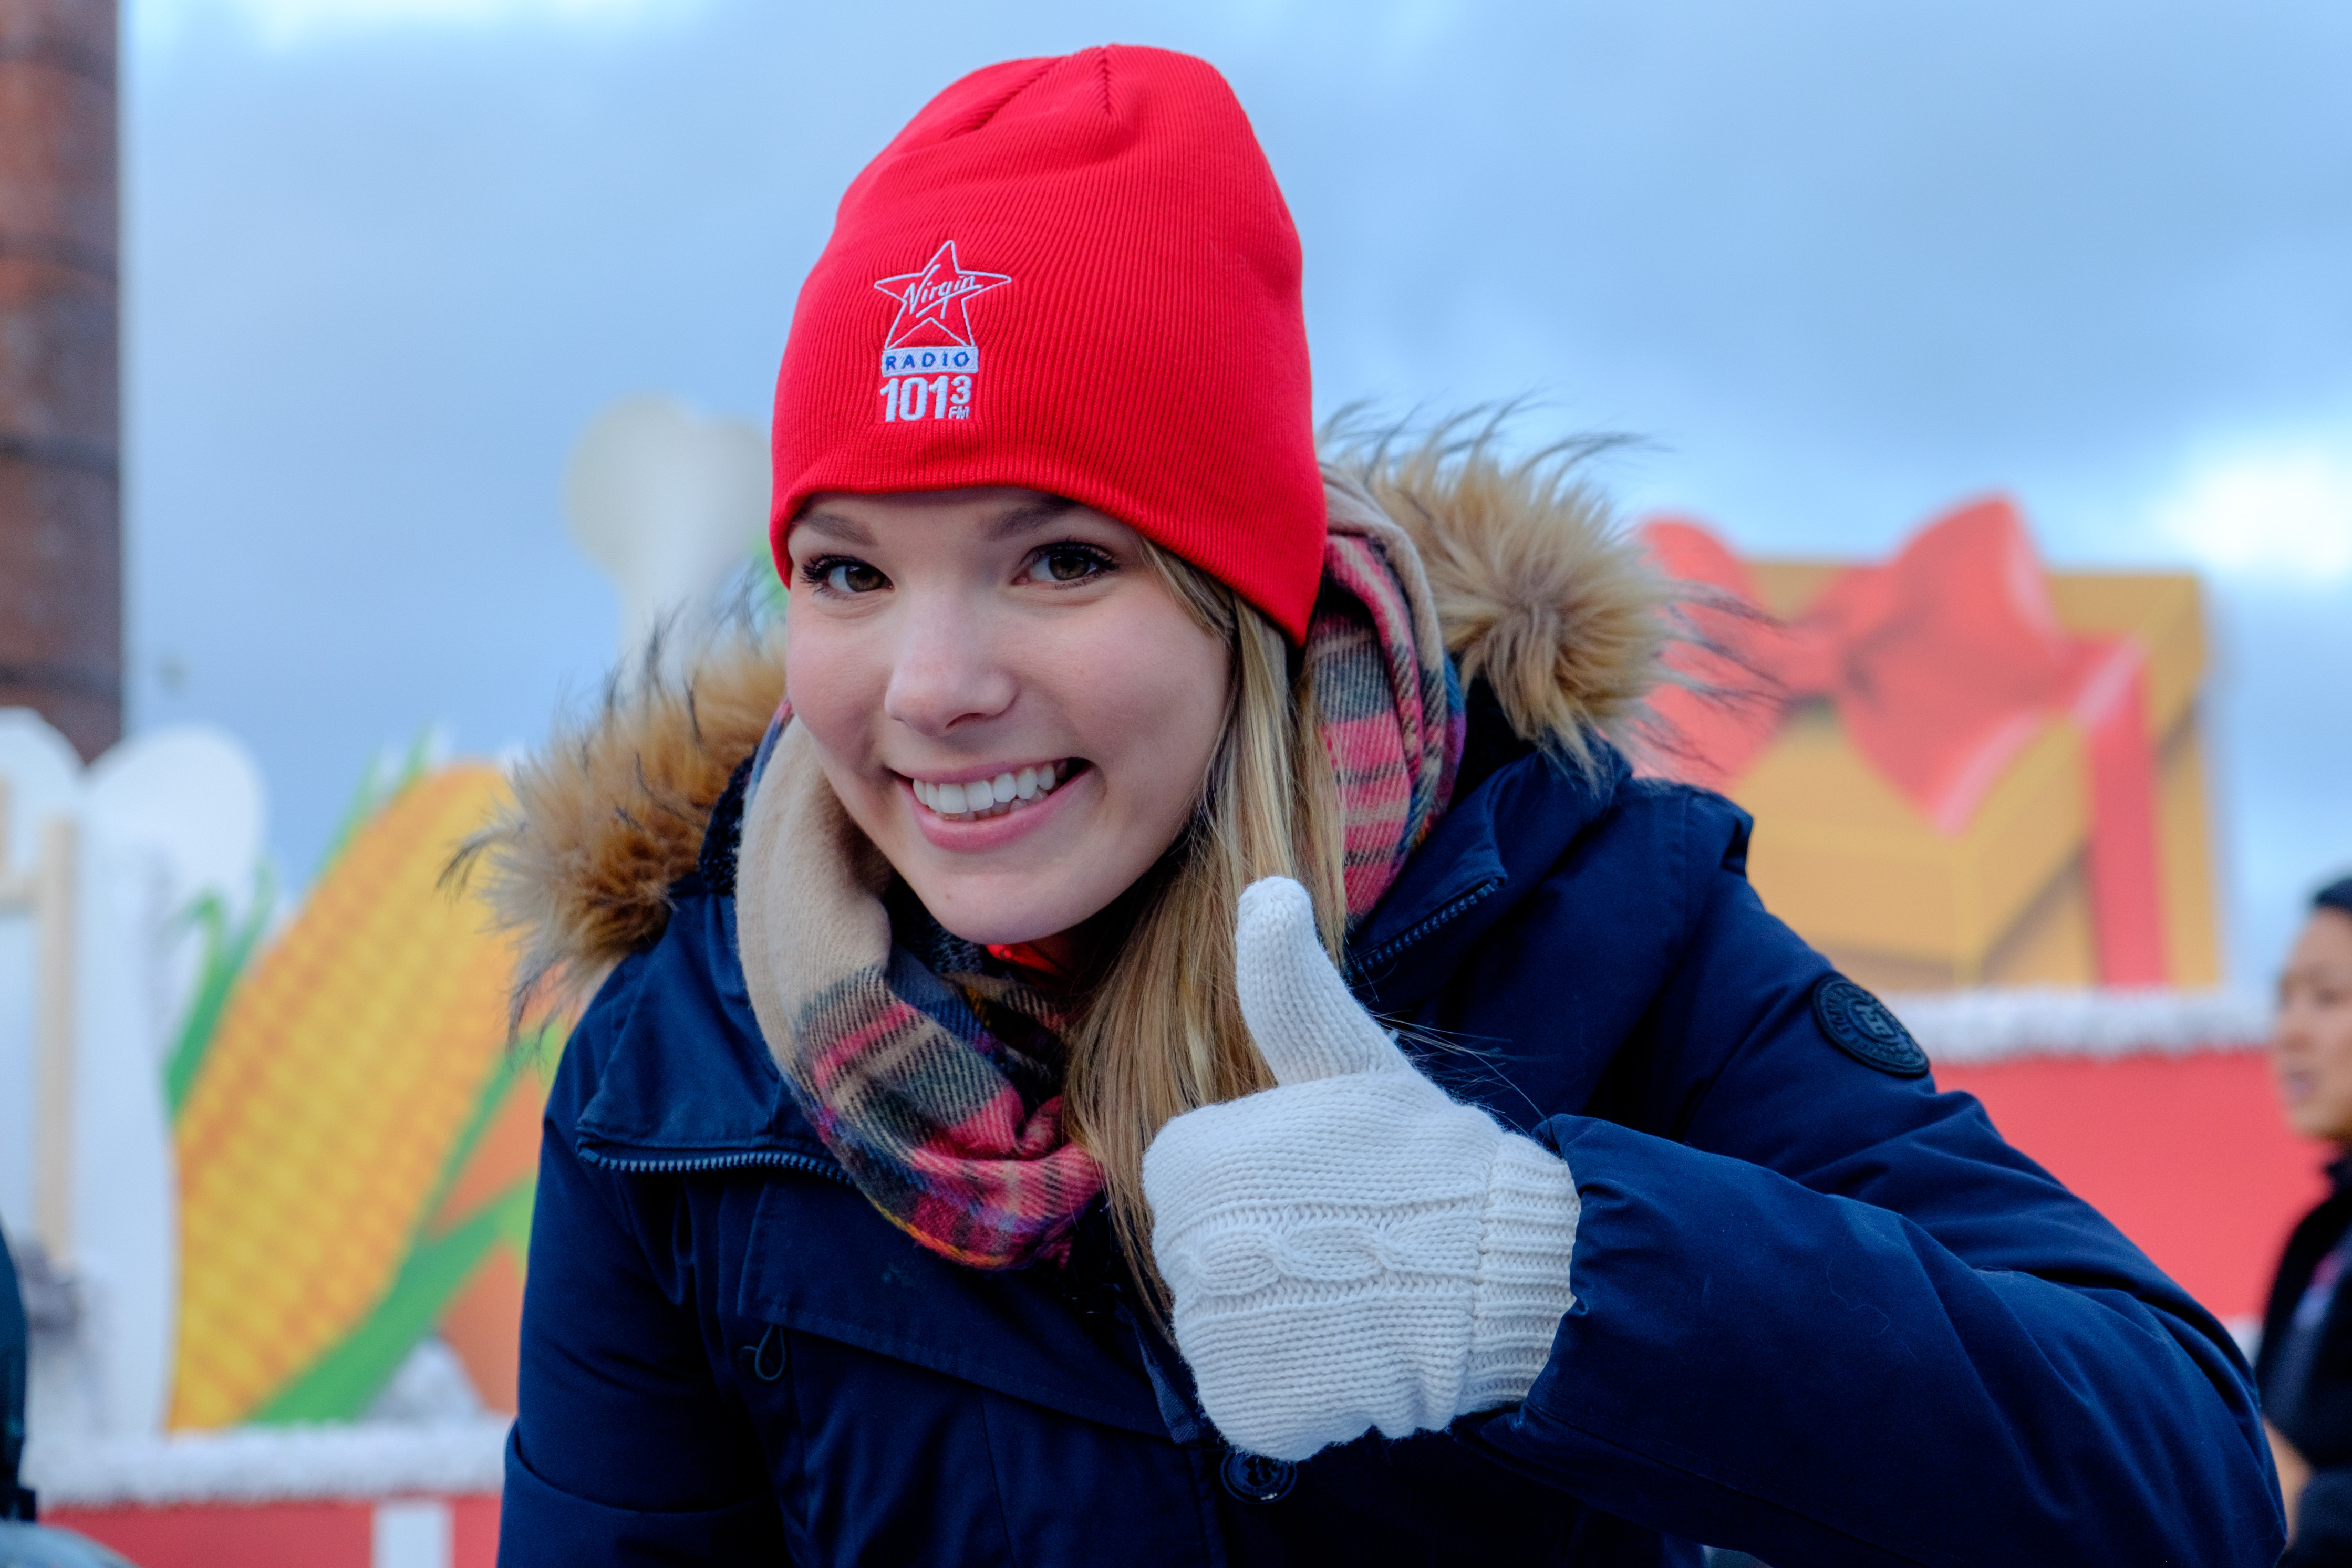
(981, 798)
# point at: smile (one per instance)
(975, 800)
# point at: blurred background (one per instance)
(446, 334)
(1838, 265)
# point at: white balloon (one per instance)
(667, 503)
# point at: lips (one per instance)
(976, 800)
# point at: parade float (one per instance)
(1979, 788)
(266, 1161)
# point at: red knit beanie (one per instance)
(1074, 276)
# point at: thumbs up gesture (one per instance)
(1352, 1249)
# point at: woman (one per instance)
(989, 1145)
(2305, 1366)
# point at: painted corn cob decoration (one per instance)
(341, 1096)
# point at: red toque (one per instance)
(1076, 276)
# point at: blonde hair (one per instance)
(1161, 1030)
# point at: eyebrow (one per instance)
(1014, 521)
(834, 526)
(1035, 514)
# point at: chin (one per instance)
(2322, 1127)
(996, 917)
(1004, 933)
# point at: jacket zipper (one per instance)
(698, 1164)
(1358, 963)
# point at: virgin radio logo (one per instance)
(929, 362)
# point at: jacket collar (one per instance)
(685, 1081)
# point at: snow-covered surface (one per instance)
(271, 1464)
(1973, 1028)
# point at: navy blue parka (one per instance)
(1826, 1314)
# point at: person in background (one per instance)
(2304, 1368)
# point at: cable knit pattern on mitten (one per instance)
(1353, 1248)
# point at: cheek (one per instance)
(2328, 1112)
(1152, 709)
(835, 685)
(2333, 1038)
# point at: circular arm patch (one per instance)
(1860, 1025)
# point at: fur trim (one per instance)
(613, 809)
(1537, 590)
(1541, 594)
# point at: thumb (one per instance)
(1299, 1010)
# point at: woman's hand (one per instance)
(1352, 1249)
(2294, 1472)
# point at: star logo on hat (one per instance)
(932, 303)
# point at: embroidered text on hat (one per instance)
(930, 360)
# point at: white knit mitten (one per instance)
(1352, 1249)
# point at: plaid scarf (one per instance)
(934, 1074)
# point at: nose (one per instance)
(947, 669)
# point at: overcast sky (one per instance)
(1842, 264)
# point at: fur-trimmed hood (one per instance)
(1542, 596)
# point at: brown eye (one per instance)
(848, 576)
(1068, 563)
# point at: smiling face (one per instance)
(2311, 1044)
(1006, 696)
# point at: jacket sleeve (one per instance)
(1825, 1316)
(623, 1451)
